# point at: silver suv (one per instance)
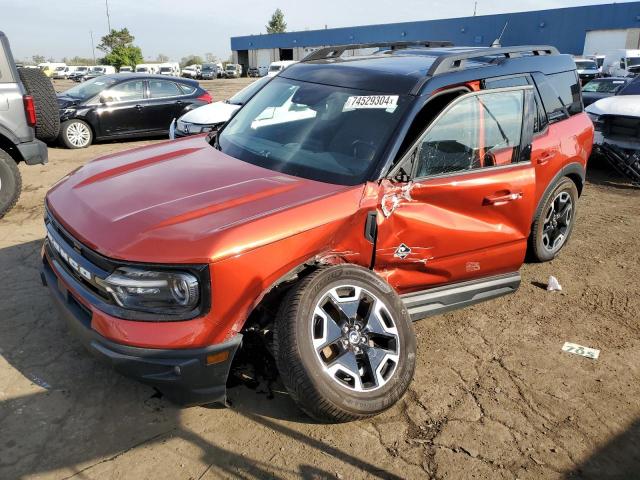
(28, 117)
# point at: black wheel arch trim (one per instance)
(571, 171)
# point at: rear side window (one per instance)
(560, 94)
(163, 88)
(187, 89)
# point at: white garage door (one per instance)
(602, 41)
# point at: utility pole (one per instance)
(106, 3)
(93, 50)
(475, 8)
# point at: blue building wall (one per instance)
(564, 28)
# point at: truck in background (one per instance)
(169, 68)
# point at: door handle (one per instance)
(546, 156)
(502, 198)
(138, 107)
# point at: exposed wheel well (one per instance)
(9, 147)
(577, 179)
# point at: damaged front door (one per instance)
(467, 211)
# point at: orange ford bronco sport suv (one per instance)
(347, 198)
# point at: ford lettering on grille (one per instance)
(68, 259)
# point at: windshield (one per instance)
(633, 61)
(165, 69)
(275, 68)
(586, 65)
(603, 86)
(141, 69)
(60, 69)
(321, 132)
(231, 67)
(247, 92)
(82, 69)
(90, 88)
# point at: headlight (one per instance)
(153, 291)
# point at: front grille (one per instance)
(621, 126)
(83, 258)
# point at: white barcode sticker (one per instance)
(385, 102)
(580, 350)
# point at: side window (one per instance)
(561, 94)
(187, 89)
(163, 88)
(125, 92)
(479, 131)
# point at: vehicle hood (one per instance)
(623, 105)
(65, 102)
(186, 202)
(212, 113)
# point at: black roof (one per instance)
(147, 76)
(409, 70)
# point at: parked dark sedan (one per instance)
(602, 88)
(124, 105)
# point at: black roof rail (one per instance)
(456, 61)
(337, 50)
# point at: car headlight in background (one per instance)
(162, 292)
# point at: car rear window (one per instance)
(560, 93)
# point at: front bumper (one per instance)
(181, 374)
(34, 152)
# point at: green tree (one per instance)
(114, 39)
(119, 48)
(190, 60)
(120, 55)
(277, 23)
(38, 59)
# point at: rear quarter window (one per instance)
(187, 89)
(560, 93)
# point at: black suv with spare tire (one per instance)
(28, 118)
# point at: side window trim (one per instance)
(411, 154)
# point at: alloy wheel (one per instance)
(355, 338)
(78, 134)
(557, 222)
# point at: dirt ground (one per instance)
(493, 395)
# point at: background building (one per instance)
(577, 30)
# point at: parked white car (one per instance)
(212, 116)
(587, 69)
(233, 70)
(192, 71)
(125, 69)
(276, 67)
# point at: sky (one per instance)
(60, 28)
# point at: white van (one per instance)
(169, 68)
(63, 72)
(49, 68)
(621, 63)
(276, 67)
(125, 69)
(147, 68)
(233, 70)
(103, 69)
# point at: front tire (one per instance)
(344, 344)
(76, 134)
(10, 183)
(553, 225)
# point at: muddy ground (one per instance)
(493, 395)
